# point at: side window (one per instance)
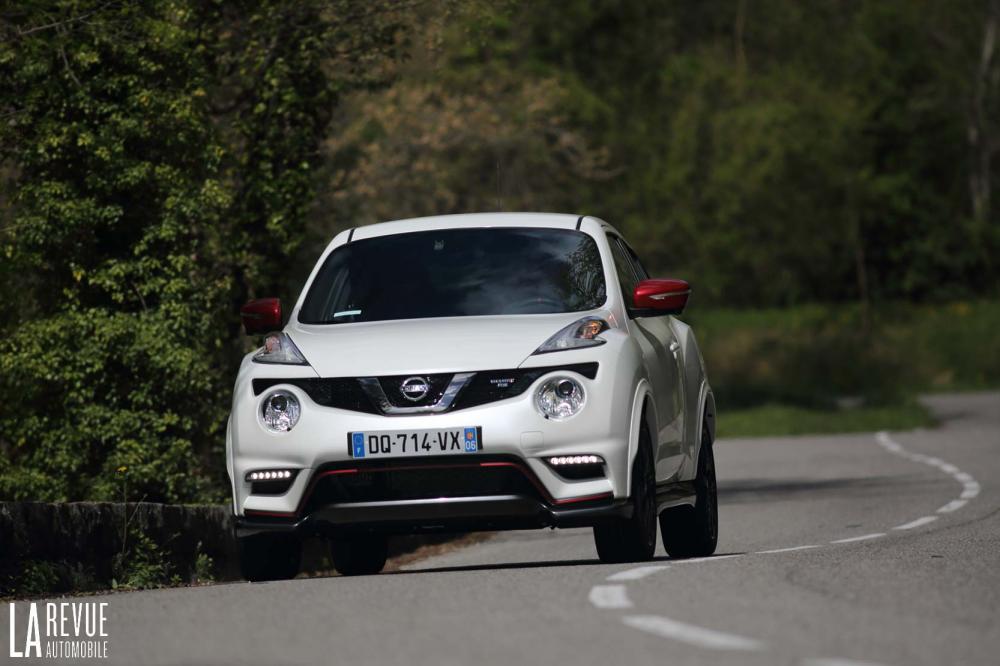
(623, 266)
(640, 270)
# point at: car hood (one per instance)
(417, 346)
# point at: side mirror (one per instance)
(261, 315)
(660, 297)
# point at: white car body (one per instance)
(648, 367)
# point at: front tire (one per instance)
(360, 555)
(634, 539)
(266, 557)
(693, 531)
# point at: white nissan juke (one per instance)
(472, 372)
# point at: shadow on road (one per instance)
(536, 565)
(734, 491)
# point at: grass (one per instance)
(785, 371)
(780, 420)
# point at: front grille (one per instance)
(339, 392)
(393, 388)
(486, 386)
(427, 480)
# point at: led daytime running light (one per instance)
(576, 460)
(270, 475)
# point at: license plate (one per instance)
(398, 443)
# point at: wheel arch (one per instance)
(230, 464)
(643, 409)
(706, 412)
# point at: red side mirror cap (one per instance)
(261, 315)
(661, 296)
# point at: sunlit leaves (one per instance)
(160, 158)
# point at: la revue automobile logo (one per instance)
(65, 630)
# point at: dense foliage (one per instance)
(774, 152)
(162, 161)
(158, 159)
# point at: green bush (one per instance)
(204, 568)
(38, 577)
(141, 565)
(157, 159)
(42, 577)
(815, 356)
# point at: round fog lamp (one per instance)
(560, 398)
(280, 411)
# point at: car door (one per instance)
(660, 351)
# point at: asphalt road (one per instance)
(914, 579)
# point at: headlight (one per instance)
(560, 398)
(280, 411)
(582, 333)
(279, 348)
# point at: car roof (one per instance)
(467, 221)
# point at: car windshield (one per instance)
(457, 273)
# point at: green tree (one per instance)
(469, 125)
(779, 153)
(115, 199)
(159, 162)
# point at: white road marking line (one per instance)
(713, 558)
(637, 573)
(953, 505)
(971, 490)
(892, 446)
(784, 550)
(919, 522)
(863, 537)
(887, 442)
(837, 662)
(615, 596)
(970, 487)
(609, 596)
(691, 634)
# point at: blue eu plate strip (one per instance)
(358, 444)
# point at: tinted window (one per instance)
(455, 273)
(623, 265)
(637, 266)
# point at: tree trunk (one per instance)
(983, 141)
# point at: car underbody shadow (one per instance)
(665, 559)
(738, 491)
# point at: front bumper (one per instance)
(456, 514)
(433, 495)
(512, 430)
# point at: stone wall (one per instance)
(55, 548)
